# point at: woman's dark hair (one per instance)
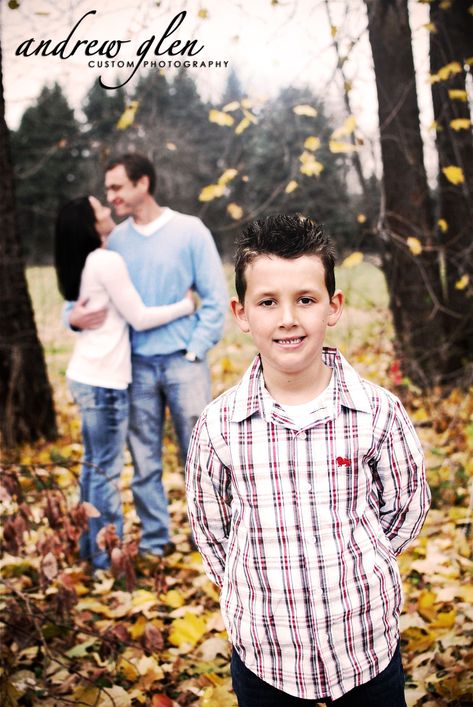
(76, 237)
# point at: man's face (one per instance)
(124, 195)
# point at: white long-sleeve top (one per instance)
(102, 357)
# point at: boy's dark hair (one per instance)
(76, 236)
(136, 166)
(287, 237)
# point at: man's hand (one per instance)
(83, 318)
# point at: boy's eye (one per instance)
(306, 300)
(266, 302)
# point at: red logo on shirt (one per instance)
(341, 461)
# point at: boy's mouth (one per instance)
(290, 341)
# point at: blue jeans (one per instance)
(157, 381)
(104, 416)
(384, 690)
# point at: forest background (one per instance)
(153, 635)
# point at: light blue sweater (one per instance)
(181, 254)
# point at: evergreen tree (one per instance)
(47, 154)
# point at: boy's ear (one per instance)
(336, 308)
(238, 310)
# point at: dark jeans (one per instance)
(384, 690)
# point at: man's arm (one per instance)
(76, 316)
(404, 492)
(208, 500)
(210, 285)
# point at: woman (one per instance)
(100, 368)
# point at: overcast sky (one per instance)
(270, 43)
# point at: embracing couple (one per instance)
(141, 273)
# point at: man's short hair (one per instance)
(287, 236)
(136, 166)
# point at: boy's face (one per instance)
(286, 310)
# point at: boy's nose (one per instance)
(288, 316)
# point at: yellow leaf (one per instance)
(445, 72)
(246, 103)
(173, 598)
(212, 191)
(443, 225)
(186, 632)
(337, 147)
(361, 218)
(460, 124)
(229, 107)
(138, 628)
(457, 94)
(142, 600)
(304, 109)
(462, 282)
(242, 126)
(235, 211)
(352, 260)
(465, 593)
(221, 118)
(414, 245)
(426, 603)
(312, 143)
(347, 128)
(418, 639)
(431, 27)
(227, 176)
(291, 186)
(454, 174)
(219, 696)
(128, 669)
(310, 166)
(127, 118)
(445, 619)
(203, 13)
(251, 117)
(96, 607)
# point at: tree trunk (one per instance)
(413, 279)
(451, 41)
(26, 404)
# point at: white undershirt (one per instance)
(147, 229)
(303, 414)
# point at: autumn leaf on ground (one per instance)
(186, 632)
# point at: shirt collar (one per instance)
(348, 387)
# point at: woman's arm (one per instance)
(116, 280)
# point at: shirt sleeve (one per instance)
(209, 281)
(404, 492)
(209, 501)
(126, 299)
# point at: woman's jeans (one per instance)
(104, 415)
(384, 690)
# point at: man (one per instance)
(166, 253)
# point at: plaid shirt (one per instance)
(300, 527)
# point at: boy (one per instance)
(304, 482)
